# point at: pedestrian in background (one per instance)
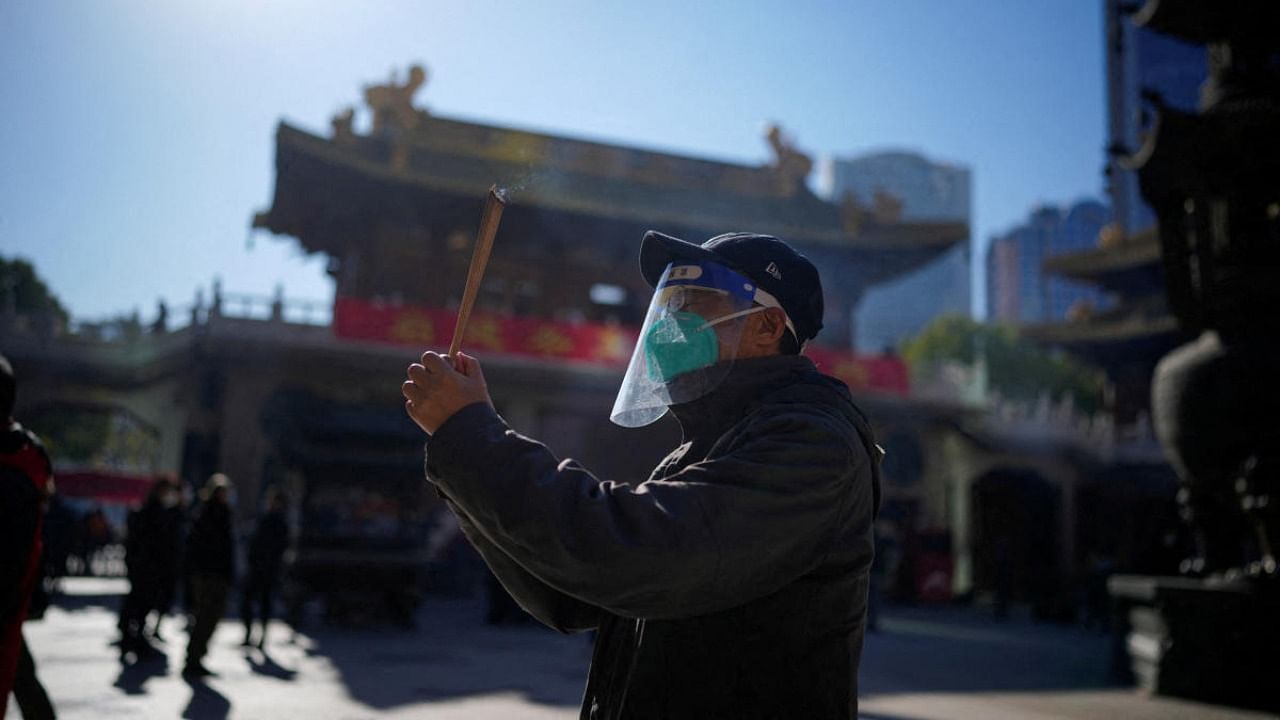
(148, 551)
(26, 482)
(172, 527)
(210, 563)
(266, 555)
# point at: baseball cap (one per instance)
(772, 264)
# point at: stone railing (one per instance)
(170, 319)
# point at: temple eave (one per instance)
(1086, 332)
(310, 167)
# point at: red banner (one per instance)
(486, 332)
(880, 373)
(103, 486)
(356, 319)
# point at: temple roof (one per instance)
(1140, 328)
(331, 190)
(1129, 267)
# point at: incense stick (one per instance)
(489, 219)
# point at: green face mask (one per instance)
(679, 343)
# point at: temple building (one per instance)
(1127, 340)
(395, 211)
(249, 388)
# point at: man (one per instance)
(211, 566)
(149, 550)
(266, 555)
(733, 582)
(26, 481)
(172, 531)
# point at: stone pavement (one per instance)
(924, 664)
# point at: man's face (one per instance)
(710, 305)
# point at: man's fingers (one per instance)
(412, 391)
(435, 362)
(421, 375)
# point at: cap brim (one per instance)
(658, 250)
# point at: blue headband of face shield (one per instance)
(710, 276)
(718, 277)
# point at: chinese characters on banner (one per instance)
(419, 327)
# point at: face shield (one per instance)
(689, 339)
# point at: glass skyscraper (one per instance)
(1018, 290)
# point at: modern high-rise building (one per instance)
(1002, 279)
(1018, 290)
(1140, 60)
(927, 191)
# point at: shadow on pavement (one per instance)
(263, 664)
(133, 678)
(453, 654)
(959, 650)
(206, 703)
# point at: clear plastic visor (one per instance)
(688, 342)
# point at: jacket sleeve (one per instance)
(764, 511)
(550, 606)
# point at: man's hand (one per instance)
(438, 387)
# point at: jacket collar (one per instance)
(747, 382)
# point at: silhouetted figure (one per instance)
(149, 552)
(266, 555)
(210, 567)
(169, 560)
(95, 535)
(26, 480)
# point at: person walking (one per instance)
(148, 548)
(266, 555)
(210, 564)
(172, 527)
(26, 482)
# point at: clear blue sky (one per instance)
(136, 138)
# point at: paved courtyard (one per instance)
(923, 664)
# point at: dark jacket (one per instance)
(152, 542)
(266, 547)
(210, 546)
(731, 584)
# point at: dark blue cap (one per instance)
(772, 264)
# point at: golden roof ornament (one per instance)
(791, 167)
(392, 104)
